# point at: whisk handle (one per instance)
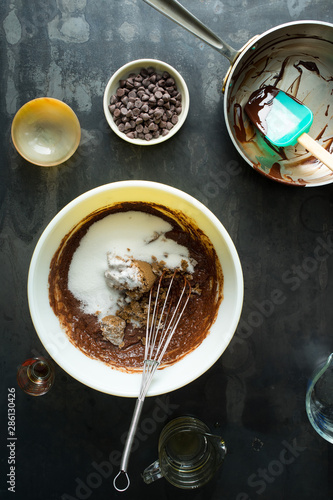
(128, 444)
(131, 433)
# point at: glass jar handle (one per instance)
(152, 473)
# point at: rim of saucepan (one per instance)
(95, 373)
(122, 73)
(244, 53)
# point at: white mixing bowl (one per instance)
(97, 374)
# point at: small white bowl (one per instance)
(46, 131)
(95, 373)
(135, 67)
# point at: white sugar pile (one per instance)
(128, 234)
(122, 273)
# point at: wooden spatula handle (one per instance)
(317, 150)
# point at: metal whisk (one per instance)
(164, 313)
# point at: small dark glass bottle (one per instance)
(35, 376)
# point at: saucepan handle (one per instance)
(177, 13)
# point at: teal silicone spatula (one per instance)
(284, 121)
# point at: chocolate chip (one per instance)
(170, 82)
(144, 72)
(158, 113)
(152, 127)
(129, 84)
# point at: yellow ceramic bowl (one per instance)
(46, 132)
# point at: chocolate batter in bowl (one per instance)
(298, 59)
(85, 249)
(72, 336)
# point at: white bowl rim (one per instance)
(126, 69)
(158, 388)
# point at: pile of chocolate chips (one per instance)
(146, 105)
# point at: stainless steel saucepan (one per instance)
(296, 57)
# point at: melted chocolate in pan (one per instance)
(302, 66)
